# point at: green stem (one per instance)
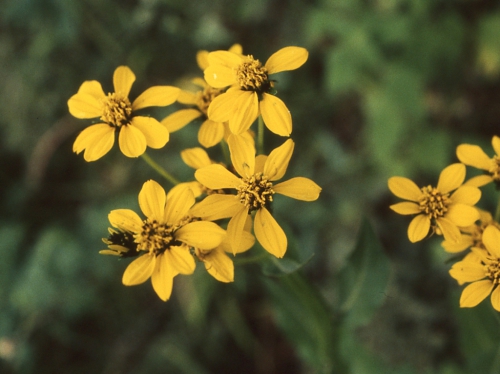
(260, 136)
(497, 212)
(159, 169)
(225, 152)
(251, 260)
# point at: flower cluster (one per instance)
(449, 210)
(227, 206)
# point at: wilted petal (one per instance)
(269, 233)
(139, 270)
(195, 157)
(288, 58)
(155, 133)
(123, 78)
(179, 119)
(162, 278)
(156, 96)
(132, 141)
(299, 188)
(473, 155)
(451, 178)
(210, 133)
(126, 220)
(404, 188)
(474, 293)
(406, 208)
(96, 140)
(466, 195)
(201, 234)
(276, 115)
(152, 200)
(419, 228)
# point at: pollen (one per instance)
(155, 237)
(434, 203)
(117, 110)
(495, 168)
(205, 97)
(493, 271)
(256, 192)
(252, 76)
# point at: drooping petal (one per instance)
(277, 161)
(288, 58)
(162, 278)
(474, 293)
(96, 140)
(217, 206)
(210, 133)
(495, 299)
(217, 177)
(269, 233)
(451, 178)
(195, 157)
(299, 188)
(473, 155)
(201, 234)
(242, 155)
(479, 181)
(156, 96)
(178, 204)
(491, 240)
(221, 108)
(404, 188)
(85, 105)
(235, 228)
(406, 208)
(245, 112)
(132, 141)
(126, 220)
(495, 142)
(466, 271)
(462, 215)
(123, 78)
(155, 133)
(276, 115)
(181, 259)
(419, 228)
(466, 195)
(139, 270)
(219, 265)
(152, 200)
(449, 230)
(179, 119)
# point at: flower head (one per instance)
(255, 189)
(164, 238)
(117, 114)
(482, 271)
(473, 155)
(252, 90)
(437, 208)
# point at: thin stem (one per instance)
(225, 152)
(497, 212)
(159, 169)
(260, 136)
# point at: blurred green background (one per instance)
(391, 87)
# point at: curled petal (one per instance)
(152, 200)
(451, 178)
(474, 293)
(96, 140)
(288, 58)
(123, 78)
(276, 115)
(299, 188)
(179, 119)
(269, 233)
(139, 270)
(126, 220)
(404, 188)
(156, 96)
(419, 228)
(132, 141)
(155, 133)
(406, 208)
(201, 234)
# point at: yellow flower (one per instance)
(252, 90)
(165, 237)
(117, 113)
(484, 275)
(202, 56)
(472, 235)
(255, 190)
(434, 206)
(473, 155)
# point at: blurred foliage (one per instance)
(390, 88)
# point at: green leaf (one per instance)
(275, 267)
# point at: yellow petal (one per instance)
(202, 59)
(84, 105)
(242, 155)
(473, 155)
(217, 177)
(276, 115)
(245, 112)
(449, 230)
(210, 133)
(225, 58)
(195, 157)
(464, 243)
(260, 161)
(139, 270)
(96, 140)
(288, 58)
(462, 215)
(92, 88)
(495, 299)
(495, 142)
(187, 97)
(269, 233)
(491, 240)
(221, 108)
(299, 188)
(406, 208)
(474, 293)
(155, 133)
(152, 200)
(479, 181)
(132, 141)
(236, 48)
(404, 188)
(419, 228)
(277, 161)
(194, 186)
(219, 76)
(219, 265)
(217, 206)
(466, 195)
(246, 242)
(466, 271)
(181, 259)
(123, 78)
(179, 119)
(451, 178)
(178, 204)
(126, 220)
(201, 234)
(235, 229)
(156, 96)
(163, 277)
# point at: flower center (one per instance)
(252, 76)
(121, 242)
(433, 203)
(117, 110)
(205, 97)
(256, 192)
(155, 237)
(495, 168)
(493, 271)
